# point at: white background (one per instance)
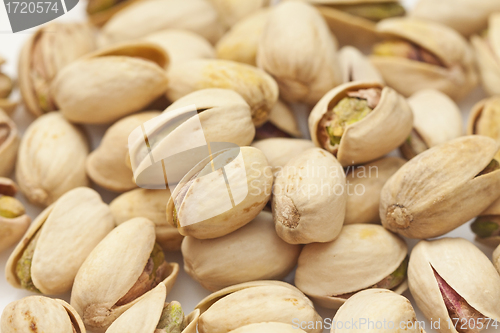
(186, 291)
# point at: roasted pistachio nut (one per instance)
(309, 198)
(145, 17)
(13, 219)
(119, 272)
(40, 314)
(484, 119)
(449, 289)
(441, 188)
(254, 303)
(153, 315)
(44, 55)
(424, 55)
(58, 241)
(299, 52)
(379, 305)
(256, 87)
(360, 122)
(253, 252)
(431, 128)
(356, 67)
(366, 256)
(268, 328)
(9, 144)
(364, 185)
(111, 83)
(487, 225)
(202, 207)
(51, 159)
(231, 12)
(282, 123)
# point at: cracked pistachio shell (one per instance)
(145, 17)
(12, 228)
(464, 267)
(365, 254)
(40, 314)
(268, 328)
(256, 87)
(67, 232)
(299, 52)
(253, 252)
(309, 198)
(231, 12)
(380, 132)
(106, 165)
(111, 270)
(205, 210)
(441, 188)
(364, 185)
(355, 66)
(151, 205)
(484, 119)
(51, 159)
(493, 213)
(377, 305)
(144, 316)
(9, 144)
(253, 303)
(101, 11)
(496, 259)
(282, 123)
(456, 77)
(111, 83)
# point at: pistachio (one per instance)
(9, 143)
(488, 54)
(8, 106)
(268, 328)
(282, 123)
(10, 207)
(101, 11)
(484, 119)
(496, 259)
(331, 282)
(232, 12)
(486, 226)
(356, 67)
(13, 220)
(5, 86)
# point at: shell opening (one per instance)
(486, 226)
(372, 11)
(406, 49)
(492, 166)
(172, 319)
(23, 266)
(413, 145)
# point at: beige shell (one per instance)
(381, 131)
(282, 123)
(309, 198)
(151, 205)
(456, 78)
(111, 269)
(106, 165)
(51, 159)
(364, 185)
(8, 106)
(252, 303)
(111, 83)
(219, 212)
(496, 259)
(101, 13)
(463, 267)
(144, 316)
(377, 306)
(231, 12)
(299, 52)
(68, 231)
(253, 252)
(490, 109)
(45, 54)
(9, 144)
(365, 254)
(40, 314)
(355, 66)
(268, 328)
(145, 17)
(256, 87)
(439, 189)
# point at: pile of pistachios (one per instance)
(350, 207)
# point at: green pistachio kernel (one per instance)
(492, 166)
(23, 267)
(396, 278)
(10, 207)
(172, 319)
(373, 12)
(348, 111)
(484, 227)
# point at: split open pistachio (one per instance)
(484, 119)
(231, 12)
(360, 122)
(452, 280)
(366, 256)
(487, 225)
(356, 67)
(100, 294)
(282, 123)
(9, 144)
(13, 219)
(40, 314)
(442, 188)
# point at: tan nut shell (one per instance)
(8, 145)
(456, 79)
(381, 131)
(364, 255)
(256, 87)
(151, 205)
(40, 314)
(231, 12)
(464, 267)
(69, 230)
(11, 229)
(309, 198)
(106, 165)
(299, 52)
(253, 252)
(254, 302)
(111, 83)
(438, 190)
(51, 159)
(356, 67)
(283, 118)
(111, 269)
(268, 328)
(364, 185)
(377, 305)
(496, 259)
(492, 103)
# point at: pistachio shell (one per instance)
(463, 267)
(232, 12)
(492, 213)
(365, 254)
(6, 85)
(496, 259)
(356, 67)
(282, 123)
(11, 228)
(101, 11)
(268, 328)
(51, 159)
(484, 119)
(8, 106)
(9, 143)
(441, 188)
